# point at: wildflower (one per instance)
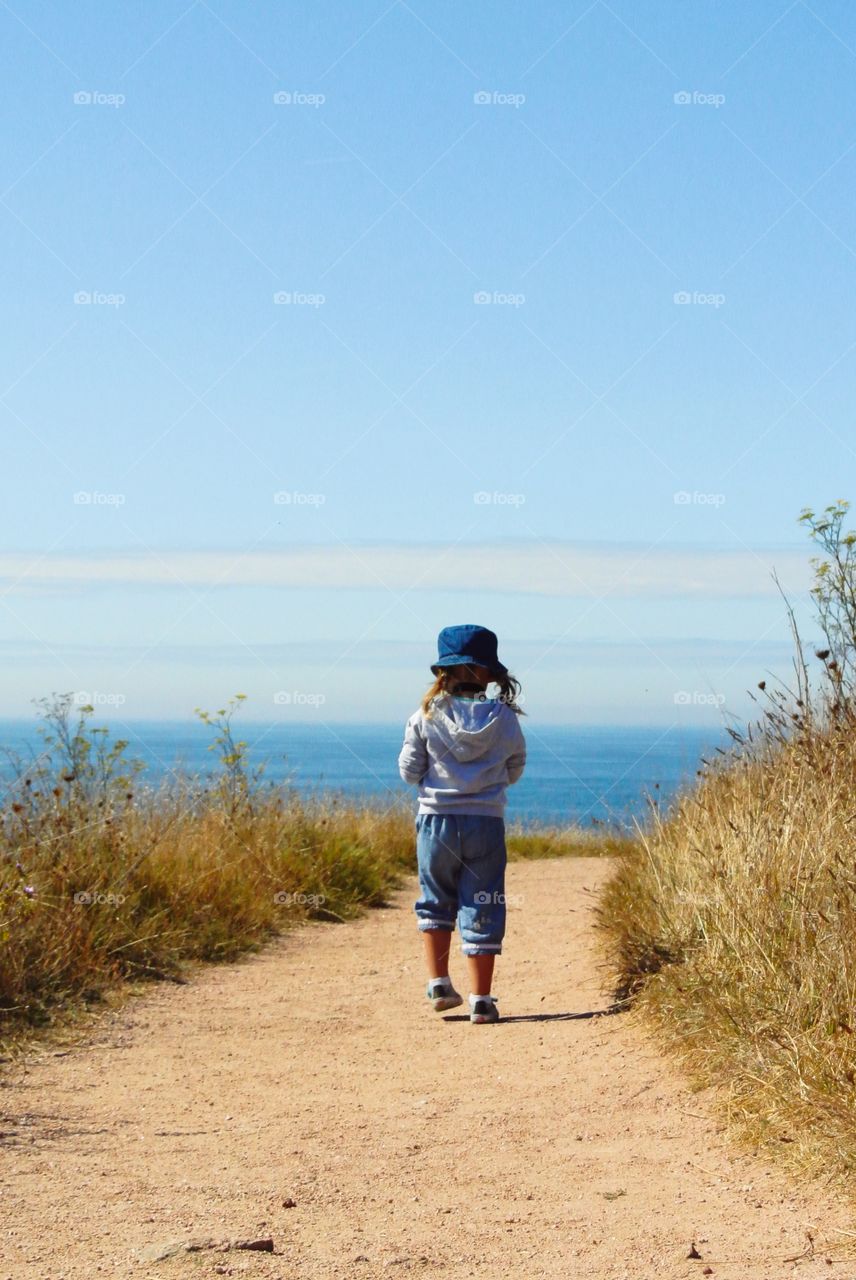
(29, 891)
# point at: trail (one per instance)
(554, 1144)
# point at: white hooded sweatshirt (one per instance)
(463, 756)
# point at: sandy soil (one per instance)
(310, 1095)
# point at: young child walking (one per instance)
(463, 750)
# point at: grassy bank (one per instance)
(734, 923)
(104, 880)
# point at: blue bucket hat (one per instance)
(470, 645)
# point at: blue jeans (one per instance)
(461, 863)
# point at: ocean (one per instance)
(574, 774)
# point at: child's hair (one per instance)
(509, 690)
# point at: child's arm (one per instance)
(413, 758)
(516, 762)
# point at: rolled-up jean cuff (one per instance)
(481, 948)
(430, 926)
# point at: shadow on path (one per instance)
(618, 1007)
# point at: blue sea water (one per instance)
(573, 774)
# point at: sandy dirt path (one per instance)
(553, 1144)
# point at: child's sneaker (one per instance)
(483, 1009)
(443, 995)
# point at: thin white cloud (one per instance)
(404, 655)
(558, 569)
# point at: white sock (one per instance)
(446, 982)
(473, 999)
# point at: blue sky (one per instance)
(329, 325)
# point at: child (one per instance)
(463, 749)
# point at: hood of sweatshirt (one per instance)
(465, 728)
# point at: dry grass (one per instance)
(93, 896)
(734, 923)
(563, 842)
